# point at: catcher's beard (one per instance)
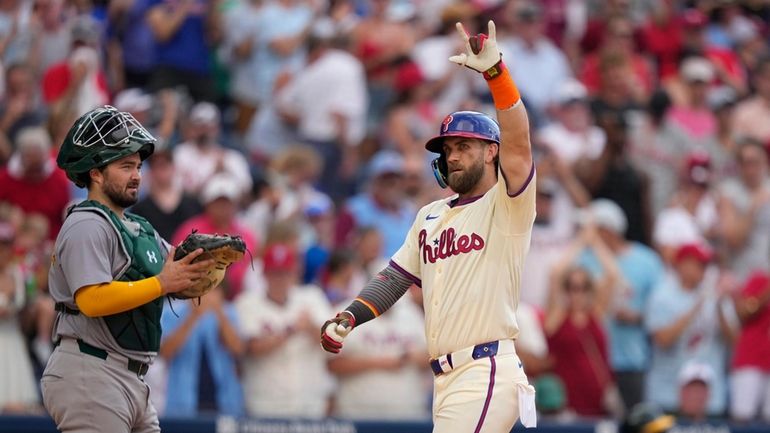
(463, 182)
(120, 195)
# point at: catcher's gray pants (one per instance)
(84, 393)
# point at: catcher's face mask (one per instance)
(99, 137)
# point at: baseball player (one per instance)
(108, 276)
(467, 253)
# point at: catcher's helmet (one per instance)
(99, 137)
(647, 418)
(470, 124)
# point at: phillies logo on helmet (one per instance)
(446, 122)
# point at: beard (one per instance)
(464, 182)
(120, 195)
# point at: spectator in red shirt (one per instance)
(77, 84)
(32, 181)
(727, 66)
(661, 37)
(220, 200)
(750, 378)
(575, 313)
(619, 43)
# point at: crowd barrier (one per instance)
(224, 424)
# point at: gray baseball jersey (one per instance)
(88, 252)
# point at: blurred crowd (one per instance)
(300, 125)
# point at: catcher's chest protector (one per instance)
(139, 328)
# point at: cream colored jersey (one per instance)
(468, 258)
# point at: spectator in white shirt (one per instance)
(327, 102)
(202, 156)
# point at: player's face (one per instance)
(120, 180)
(465, 162)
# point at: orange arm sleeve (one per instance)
(116, 297)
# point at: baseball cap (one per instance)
(607, 214)
(697, 69)
(220, 186)
(698, 168)
(696, 250)
(408, 76)
(571, 91)
(7, 232)
(318, 204)
(133, 99)
(385, 162)
(696, 371)
(204, 112)
(279, 257)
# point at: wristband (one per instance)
(504, 91)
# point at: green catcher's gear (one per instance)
(99, 137)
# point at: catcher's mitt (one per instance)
(224, 249)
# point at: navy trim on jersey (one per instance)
(526, 183)
(406, 273)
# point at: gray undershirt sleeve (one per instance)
(380, 293)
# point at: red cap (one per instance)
(279, 257)
(698, 168)
(696, 250)
(408, 76)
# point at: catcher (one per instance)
(108, 276)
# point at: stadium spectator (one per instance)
(618, 46)
(751, 112)
(266, 40)
(131, 45)
(337, 277)
(381, 206)
(200, 346)
(750, 369)
(692, 215)
(688, 319)
(381, 41)
(694, 381)
(183, 32)
(78, 83)
(541, 67)
(614, 176)
(573, 134)
(284, 373)
(640, 268)
(202, 155)
(32, 181)
(18, 391)
(166, 206)
(19, 108)
(327, 104)
(574, 317)
(382, 373)
(744, 212)
(220, 204)
(693, 117)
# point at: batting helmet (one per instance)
(99, 137)
(469, 124)
(647, 418)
